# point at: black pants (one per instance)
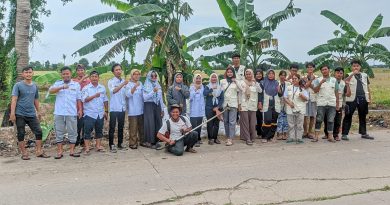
(337, 123)
(259, 123)
(32, 122)
(361, 105)
(270, 121)
(80, 127)
(188, 141)
(212, 126)
(120, 118)
(195, 122)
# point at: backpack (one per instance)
(168, 133)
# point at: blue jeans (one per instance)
(330, 113)
(90, 124)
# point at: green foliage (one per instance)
(46, 130)
(48, 78)
(348, 44)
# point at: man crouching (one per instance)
(173, 129)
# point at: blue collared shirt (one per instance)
(117, 100)
(136, 99)
(95, 107)
(66, 99)
(197, 104)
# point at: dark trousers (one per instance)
(152, 122)
(90, 124)
(259, 122)
(212, 126)
(361, 105)
(80, 127)
(188, 141)
(336, 125)
(196, 121)
(120, 118)
(32, 122)
(270, 121)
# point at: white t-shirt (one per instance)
(176, 127)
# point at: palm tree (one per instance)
(349, 44)
(137, 21)
(22, 31)
(251, 37)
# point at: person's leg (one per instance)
(99, 133)
(244, 126)
(215, 129)
(157, 123)
(194, 123)
(319, 120)
(347, 122)
(362, 112)
(35, 127)
(299, 126)
(21, 132)
(60, 130)
(141, 135)
(330, 113)
(80, 124)
(111, 131)
(89, 124)
(232, 122)
(267, 124)
(148, 123)
(337, 124)
(226, 124)
(326, 125)
(291, 126)
(71, 128)
(132, 131)
(121, 124)
(252, 125)
(178, 148)
(306, 121)
(313, 115)
(259, 123)
(209, 115)
(190, 140)
(273, 124)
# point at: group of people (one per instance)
(264, 107)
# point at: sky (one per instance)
(296, 35)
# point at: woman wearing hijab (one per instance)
(230, 88)
(178, 93)
(134, 93)
(248, 106)
(197, 105)
(259, 116)
(153, 109)
(214, 101)
(282, 127)
(271, 106)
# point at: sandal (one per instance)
(191, 150)
(59, 156)
(74, 155)
(87, 152)
(314, 140)
(43, 155)
(25, 157)
(100, 149)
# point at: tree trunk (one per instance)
(22, 33)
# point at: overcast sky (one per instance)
(296, 35)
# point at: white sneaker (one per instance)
(229, 142)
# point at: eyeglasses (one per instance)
(154, 76)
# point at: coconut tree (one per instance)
(251, 37)
(349, 44)
(137, 21)
(22, 31)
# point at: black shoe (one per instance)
(366, 136)
(217, 141)
(120, 147)
(211, 142)
(197, 144)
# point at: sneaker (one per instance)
(290, 140)
(211, 142)
(345, 137)
(229, 142)
(300, 141)
(113, 149)
(120, 147)
(249, 142)
(366, 136)
(217, 141)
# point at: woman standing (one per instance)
(153, 109)
(134, 92)
(178, 93)
(282, 128)
(229, 85)
(295, 98)
(271, 106)
(259, 116)
(248, 107)
(214, 100)
(197, 105)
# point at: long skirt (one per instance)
(152, 121)
(270, 119)
(282, 123)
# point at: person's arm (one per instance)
(90, 98)
(36, 104)
(171, 100)
(185, 91)
(148, 96)
(369, 91)
(114, 89)
(304, 95)
(12, 117)
(56, 88)
(286, 99)
(317, 85)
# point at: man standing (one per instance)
(67, 108)
(327, 89)
(174, 128)
(311, 106)
(358, 98)
(116, 86)
(95, 106)
(83, 80)
(25, 110)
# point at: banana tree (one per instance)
(251, 37)
(349, 44)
